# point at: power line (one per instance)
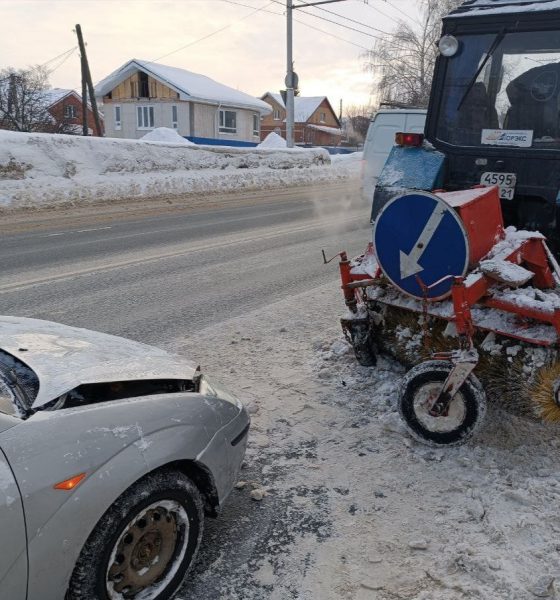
(333, 35)
(213, 33)
(400, 10)
(62, 61)
(42, 66)
(384, 39)
(348, 19)
(394, 19)
(334, 22)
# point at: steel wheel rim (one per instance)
(425, 397)
(148, 552)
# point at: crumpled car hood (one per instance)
(64, 357)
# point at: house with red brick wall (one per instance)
(315, 122)
(65, 107)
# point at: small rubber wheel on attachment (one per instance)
(361, 337)
(419, 390)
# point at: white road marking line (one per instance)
(95, 229)
(75, 231)
(279, 232)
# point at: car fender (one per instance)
(158, 431)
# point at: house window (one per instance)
(117, 118)
(256, 125)
(276, 114)
(144, 86)
(323, 117)
(228, 121)
(174, 119)
(145, 117)
(70, 111)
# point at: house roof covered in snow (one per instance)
(304, 107)
(326, 129)
(56, 95)
(495, 7)
(190, 86)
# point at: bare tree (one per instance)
(357, 122)
(403, 62)
(23, 101)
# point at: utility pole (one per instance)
(290, 76)
(292, 80)
(85, 128)
(89, 83)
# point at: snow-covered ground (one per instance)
(42, 170)
(357, 509)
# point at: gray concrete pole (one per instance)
(289, 78)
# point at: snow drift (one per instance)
(40, 170)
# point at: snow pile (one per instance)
(352, 156)
(43, 170)
(273, 140)
(165, 134)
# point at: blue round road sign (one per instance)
(419, 240)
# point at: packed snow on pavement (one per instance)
(336, 501)
(43, 170)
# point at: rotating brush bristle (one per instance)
(544, 393)
(506, 383)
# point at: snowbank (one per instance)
(165, 134)
(273, 140)
(41, 170)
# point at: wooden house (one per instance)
(142, 95)
(315, 122)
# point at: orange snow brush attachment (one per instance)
(545, 393)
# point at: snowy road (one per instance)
(159, 276)
(355, 509)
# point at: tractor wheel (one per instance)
(361, 337)
(419, 390)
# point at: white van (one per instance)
(381, 138)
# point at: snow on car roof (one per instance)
(493, 7)
(190, 86)
(65, 357)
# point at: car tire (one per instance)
(148, 537)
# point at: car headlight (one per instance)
(215, 390)
(448, 46)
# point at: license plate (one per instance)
(505, 182)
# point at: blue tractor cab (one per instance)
(494, 114)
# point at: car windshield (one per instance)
(514, 100)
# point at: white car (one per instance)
(381, 138)
(111, 454)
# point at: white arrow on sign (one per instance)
(409, 262)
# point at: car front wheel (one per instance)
(144, 544)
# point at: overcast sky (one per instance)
(248, 54)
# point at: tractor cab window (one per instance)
(517, 89)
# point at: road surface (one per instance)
(159, 275)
